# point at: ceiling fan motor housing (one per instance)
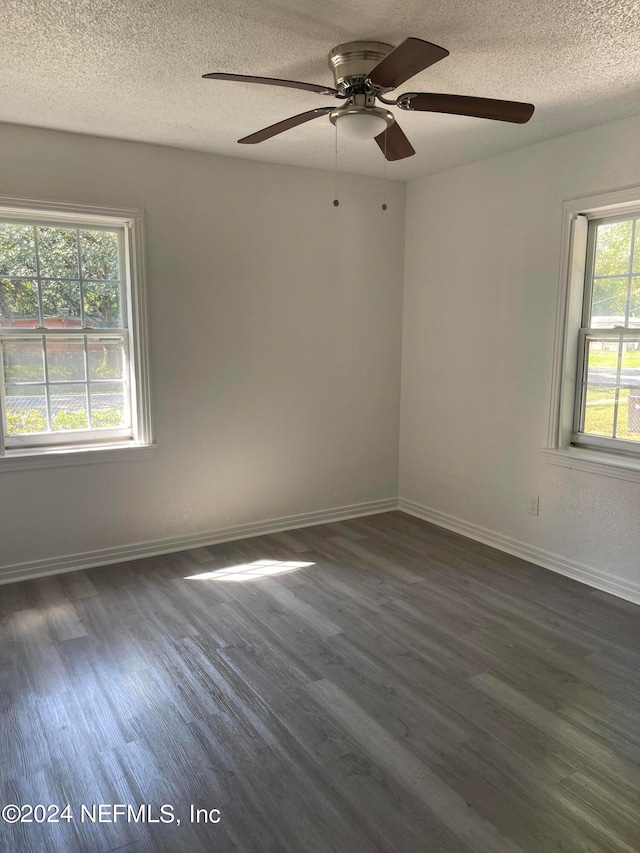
(352, 62)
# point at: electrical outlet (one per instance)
(533, 505)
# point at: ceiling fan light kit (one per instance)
(365, 72)
(361, 122)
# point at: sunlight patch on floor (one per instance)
(250, 571)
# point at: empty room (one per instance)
(320, 427)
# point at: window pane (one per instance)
(17, 250)
(26, 409)
(65, 359)
(602, 361)
(599, 410)
(99, 254)
(613, 248)
(102, 305)
(68, 407)
(61, 304)
(23, 361)
(627, 427)
(629, 409)
(609, 302)
(636, 248)
(107, 404)
(613, 374)
(58, 252)
(630, 425)
(634, 303)
(106, 359)
(602, 378)
(631, 360)
(19, 303)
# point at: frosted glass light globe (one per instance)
(361, 125)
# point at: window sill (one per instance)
(59, 457)
(595, 462)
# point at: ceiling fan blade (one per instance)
(408, 59)
(395, 146)
(462, 105)
(272, 81)
(281, 126)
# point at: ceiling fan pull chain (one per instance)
(384, 180)
(335, 193)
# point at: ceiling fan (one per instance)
(364, 71)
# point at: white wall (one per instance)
(481, 279)
(275, 345)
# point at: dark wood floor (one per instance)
(405, 690)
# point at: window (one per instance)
(73, 366)
(595, 401)
(608, 391)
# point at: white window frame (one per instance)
(599, 457)
(73, 447)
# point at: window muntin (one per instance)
(67, 372)
(608, 394)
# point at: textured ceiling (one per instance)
(132, 69)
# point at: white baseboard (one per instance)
(623, 588)
(120, 554)
(589, 575)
